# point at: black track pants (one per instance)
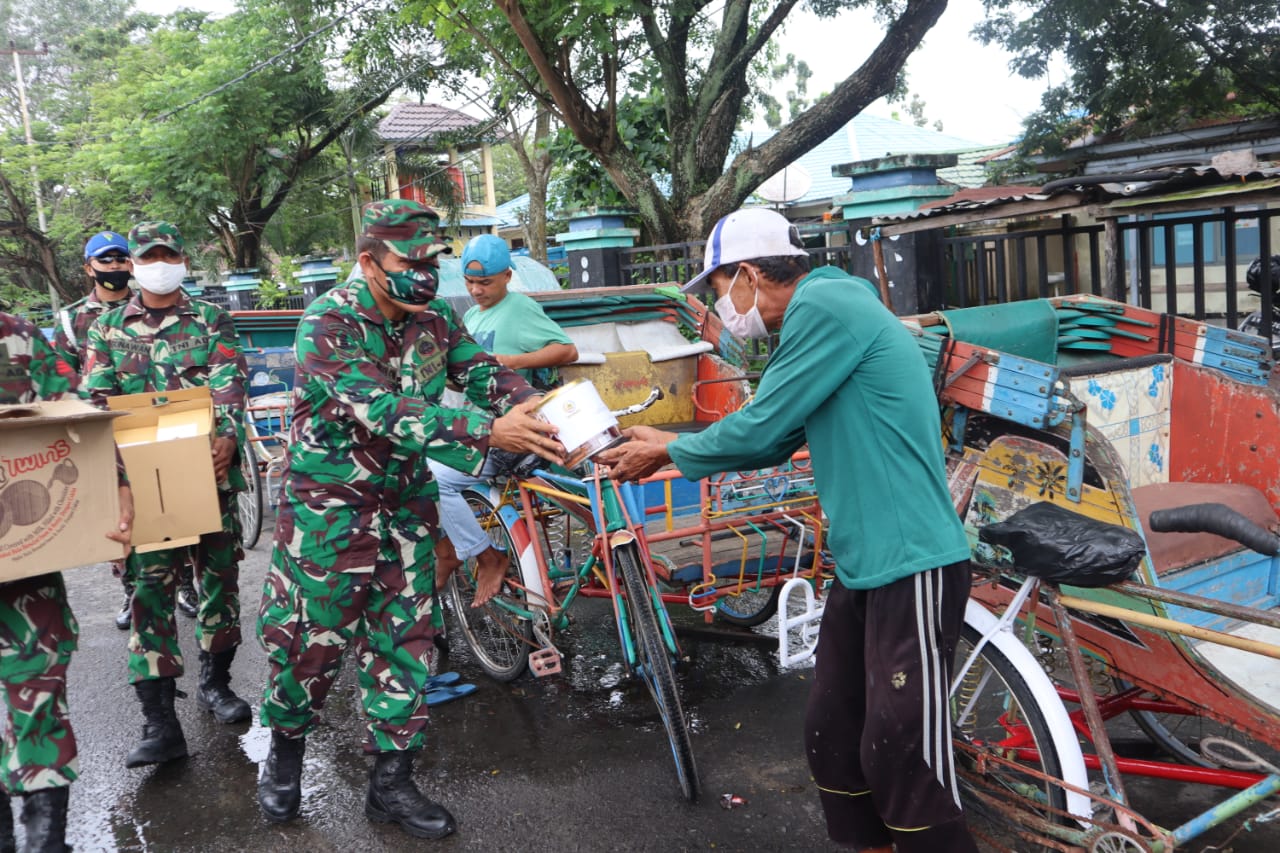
(878, 724)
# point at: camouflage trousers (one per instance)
(308, 618)
(37, 636)
(153, 639)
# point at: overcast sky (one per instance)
(964, 85)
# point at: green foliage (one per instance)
(604, 67)
(275, 290)
(1137, 65)
(581, 183)
(508, 174)
(797, 98)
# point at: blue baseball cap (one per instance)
(105, 241)
(490, 252)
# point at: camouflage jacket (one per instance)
(29, 368)
(71, 327)
(132, 349)
(367, 415)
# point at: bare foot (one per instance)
(491, 568)
(446, 562)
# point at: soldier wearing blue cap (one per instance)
(518, 334)
(108, 268)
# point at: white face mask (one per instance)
(749, 325)
(159, 278)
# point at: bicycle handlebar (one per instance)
(655, 394)
(1218, 519)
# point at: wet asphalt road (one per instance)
(576, 762)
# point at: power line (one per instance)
(263, 64)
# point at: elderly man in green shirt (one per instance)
(848, 379)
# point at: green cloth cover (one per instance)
(1028, 329)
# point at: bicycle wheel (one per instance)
(249, 502)
(749, 607)
(1180, 733)
(994, 713)
(500, 639)
(654, 665)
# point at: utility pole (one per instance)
(26, 126)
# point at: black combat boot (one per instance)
(162, 738)
(7, 844)
(280, 782)
(214, 693)
(393, 798)
(44, 816)
(125, 617)
(188, 601)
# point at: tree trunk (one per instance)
(248, 247)
(39, 257)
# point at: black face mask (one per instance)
(113, 280)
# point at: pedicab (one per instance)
(1159, 426)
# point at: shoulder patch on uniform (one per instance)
(343, 341)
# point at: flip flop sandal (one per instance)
(443, 679)
(440, 695)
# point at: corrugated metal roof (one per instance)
(1188, 182)
(970, 169)
(420, 122)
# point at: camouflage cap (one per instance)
(147, 235)
(406, 227)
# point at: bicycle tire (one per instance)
(499, 640)
(996, 696)
(654, 666)
(249, 502)
(750, 607)
(1178, 734)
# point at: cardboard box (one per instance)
(165, 441)
(58, 489)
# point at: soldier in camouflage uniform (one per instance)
(108, 268)
(162, 340)
(38, 631)
(353, 557)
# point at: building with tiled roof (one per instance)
(417, 137)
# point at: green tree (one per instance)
(1143, 66)
(471, 38)
(33, 260)
(508, 174)
(797, 98)
(590, 56)
(215, 123)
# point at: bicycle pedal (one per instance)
(544, 662)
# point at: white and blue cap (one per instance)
(753, 232)
(105, 241)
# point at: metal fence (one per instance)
(828, 243)
(1180, 263)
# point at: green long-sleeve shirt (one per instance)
(848, 378)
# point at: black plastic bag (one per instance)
(1056, 544)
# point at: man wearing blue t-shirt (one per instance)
(514, 330)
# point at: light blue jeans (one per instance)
(456, 518)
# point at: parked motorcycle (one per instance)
(1253, 323)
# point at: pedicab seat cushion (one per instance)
(1171, 551)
